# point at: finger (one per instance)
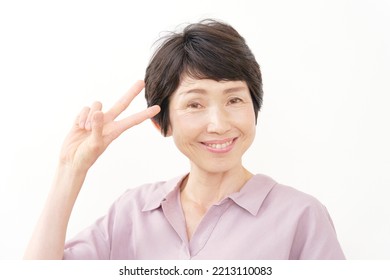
(125, 100)
(82, 117)
(97, 126)
(96, 106)
(135, 119)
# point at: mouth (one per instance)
(220, 146)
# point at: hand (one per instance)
(94, 130)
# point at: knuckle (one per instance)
(95, 147)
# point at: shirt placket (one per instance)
(206, 227)
(174, 215)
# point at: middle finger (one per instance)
(124, 101)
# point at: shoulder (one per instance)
(287, 198)
(301, 218)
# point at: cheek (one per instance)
(186, 122)
(182, 130)
(247, 125)
(245, 118)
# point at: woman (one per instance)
(203, 88)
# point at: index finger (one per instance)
(123, 125)
(125, 100)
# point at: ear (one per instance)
(158, 127)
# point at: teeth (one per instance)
(220, 146)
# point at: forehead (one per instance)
(193, 85)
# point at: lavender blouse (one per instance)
(264, 220)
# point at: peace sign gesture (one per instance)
(94, 130)
(90, 135)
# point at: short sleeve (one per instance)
(94, 242)
(315, 237)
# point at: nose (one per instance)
(218, 121)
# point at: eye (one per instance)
(194, 105)
(235, 100)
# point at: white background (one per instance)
(323, 129)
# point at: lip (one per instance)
(219, 146)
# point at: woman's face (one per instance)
(212, 123)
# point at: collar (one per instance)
(161, 193)
(251, 196)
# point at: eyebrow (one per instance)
(204, 91)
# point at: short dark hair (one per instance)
(209, 49)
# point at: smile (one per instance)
(220, 146)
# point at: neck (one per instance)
(205, 188)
